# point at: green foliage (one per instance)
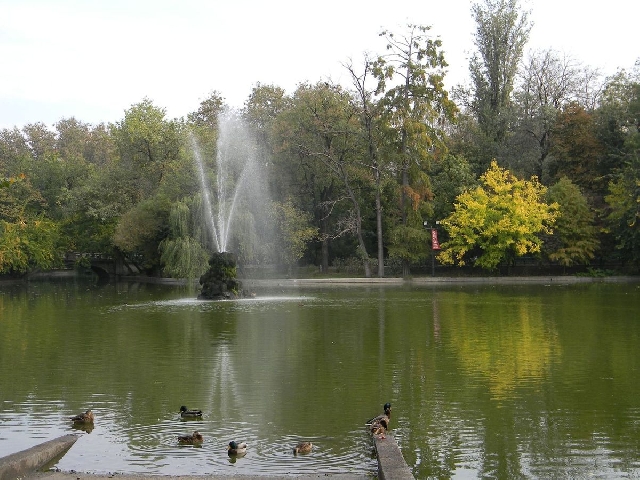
(208, 111)
(450, 177)
(147, 143)
(502, 31)
(596, 273)
(574, 238)
(29, 244)
(140, 231)
(6, 182)
(416, 105)
(624, 216)
(263, 106)
(414, 111)
(20, 200)
(317, 162)
(348, 167)
(139, 225)
(576, 149)
(183, 257)
(409, 243)
(497, 221)
(294, 232)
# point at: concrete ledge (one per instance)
(391, 464)
(118, 476)
(546, 280)
(18, 465)
(421, 281)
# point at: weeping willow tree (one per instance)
(182, 253)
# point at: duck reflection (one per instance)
(85, 427)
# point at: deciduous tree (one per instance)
(320, 130)
(294, 231)
(28, 240)
(576, 150)
(623, 98)
(502, 31)
(368, 108)
(548, 82)
(574, 238)
(416, 107)
(497, 221)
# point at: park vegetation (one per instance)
(538, 157)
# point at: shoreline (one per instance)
(328, 281)
(557, 280)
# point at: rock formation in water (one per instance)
(219, 282)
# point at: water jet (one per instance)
(238, 201)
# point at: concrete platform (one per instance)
(85, 476)
(19, 464)
(391, 463)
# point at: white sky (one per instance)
(93, 59)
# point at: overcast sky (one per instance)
(93, 59)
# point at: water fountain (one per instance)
(240, 191)
(219, 282)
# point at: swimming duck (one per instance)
(302, 447)
(194, 439)
(186, 413)
(236, 448)
(86, 417)
(386, 416)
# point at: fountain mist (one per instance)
(239, 190)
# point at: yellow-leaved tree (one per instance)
(497, 221)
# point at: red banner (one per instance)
(435, 245)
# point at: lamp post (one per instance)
(435, 244)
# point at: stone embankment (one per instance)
(541, 280)
(18, 465)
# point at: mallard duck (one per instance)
(386, 416)
(379, 428)
(236, 448)
(82, 418)
(186, 413)
(302, 447)
(193, 439)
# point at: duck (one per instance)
(194, 439)
(83, 418)
(386, 416)
(379, 428)
(186, 413)
(302, 447)
(236, 448)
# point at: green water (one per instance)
(522, 381)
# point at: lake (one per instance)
(485, 381)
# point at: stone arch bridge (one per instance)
(102, 264)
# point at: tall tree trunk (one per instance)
(325, 245)
(356, 208)
(379, 226)
(323, 222)
(367, 119)
(363, 249)
(404, 200)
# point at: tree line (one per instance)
(536, 156)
